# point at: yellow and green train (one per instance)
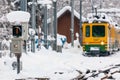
(100, 38)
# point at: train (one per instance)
(100, 35)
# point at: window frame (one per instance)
(87, 29)
(98, 26)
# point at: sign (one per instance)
(16, 46)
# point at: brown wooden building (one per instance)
(64, 22)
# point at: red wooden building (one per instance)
(64, 22)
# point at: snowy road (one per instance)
(59, 66)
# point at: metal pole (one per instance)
(18, 55)
(92, 3)
(18, 64)
(80, 22)
(33, 23)
(55, 25)
(52, 27)
(72, 23)
(96, 11)
(101, 1)
(23, 5)
(45, 27)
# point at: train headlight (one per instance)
(87, 43)
(102, 43)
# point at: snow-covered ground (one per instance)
(55, 65)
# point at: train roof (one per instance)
(116, 25)
(98, 18)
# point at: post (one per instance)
(95, 11)
(72, 23)
(39, 37)
(101, 1)
(23, 5)
(33, 23)
(45, 27)
(80, 22)
(92, 3)
(55, 25)
(16, 48)
(18, 62)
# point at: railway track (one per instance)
(30, 78)
(103, 74)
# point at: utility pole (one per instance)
(80, 22)
(72, 23)
(55, 25)
(33, 25)
(45, 27)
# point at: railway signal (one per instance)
(17, 30)
(16, 46)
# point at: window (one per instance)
(87, 31)
(98, 30)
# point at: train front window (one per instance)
(87, 31)
(98, 31)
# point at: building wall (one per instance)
(64, 24)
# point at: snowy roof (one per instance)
(91, 17)
(18, 16)
(116, 25)
(64, 9)
(118, 14)
(44, 2)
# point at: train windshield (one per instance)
(98, 30)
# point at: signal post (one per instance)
(16, 46)
(20, 32)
